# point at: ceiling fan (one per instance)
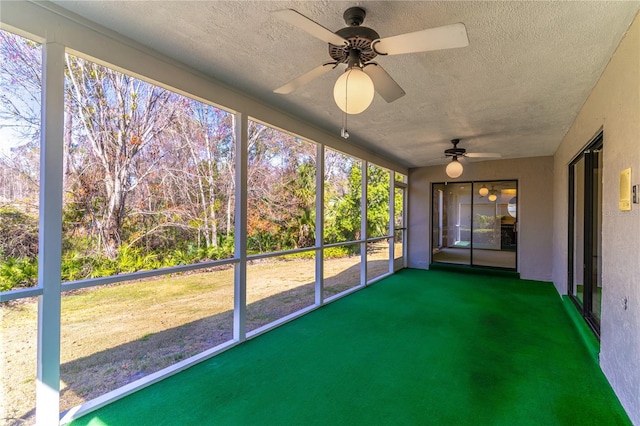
(356, 46)
(454, 168)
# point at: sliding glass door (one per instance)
(451, 236)
(585, 232)
(475, 224)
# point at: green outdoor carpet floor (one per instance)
(417, 348)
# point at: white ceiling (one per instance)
(515, 89)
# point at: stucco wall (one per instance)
(614, 106)
(535, 210)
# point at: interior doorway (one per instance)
(475, 224)
(585, 232)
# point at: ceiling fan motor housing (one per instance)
(358, 37)
(455, 151)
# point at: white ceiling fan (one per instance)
(356, 46)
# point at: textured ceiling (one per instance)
(515, 89)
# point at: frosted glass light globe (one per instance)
(493, 197)
(454, 169)
(484, 191)
(353, 91)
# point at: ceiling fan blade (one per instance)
(446, 37)
(483, 155)
(299, 20)
(305, 78)
(383, 83)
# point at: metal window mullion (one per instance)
(240, 229)
(363, 222)
(50, 235)
(319, 298)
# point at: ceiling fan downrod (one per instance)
(353, 59)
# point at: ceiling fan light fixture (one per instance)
(454, 168)
(353, 91)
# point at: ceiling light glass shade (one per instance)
(353, 91)
(454, 169)
(484, 191)
(493, 197)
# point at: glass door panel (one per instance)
(585, 228)
(596, 239)
(495, 239)
(451, 225)
(578, 232)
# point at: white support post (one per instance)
(363, 223)
(50, 235)
(405, 212)
(319, 225)
(392, 220)
(240, 231)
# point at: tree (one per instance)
(121, 118)
(208, 138)
(192, 188)
(20, 88)
(281, 187)
(20, 84)
(378, 197)
(343, 205)
(303, 189)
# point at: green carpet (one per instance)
(420, 347)
(586, 335)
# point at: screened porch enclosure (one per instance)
(218, 226)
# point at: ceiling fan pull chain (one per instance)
(344, 133)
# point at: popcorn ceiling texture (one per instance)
(515, 89)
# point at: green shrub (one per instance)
(301, 256)
(75, 266)
(21, 272)
(102, 267)
(336, 252)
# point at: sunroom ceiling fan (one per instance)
(454, 168)
(356, 46)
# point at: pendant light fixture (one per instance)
(454, 168)
(484, 191)
(354, 90)
(493, 194)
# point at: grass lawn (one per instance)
(115, 334)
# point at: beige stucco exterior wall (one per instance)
(535, 211)
(614, 106)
